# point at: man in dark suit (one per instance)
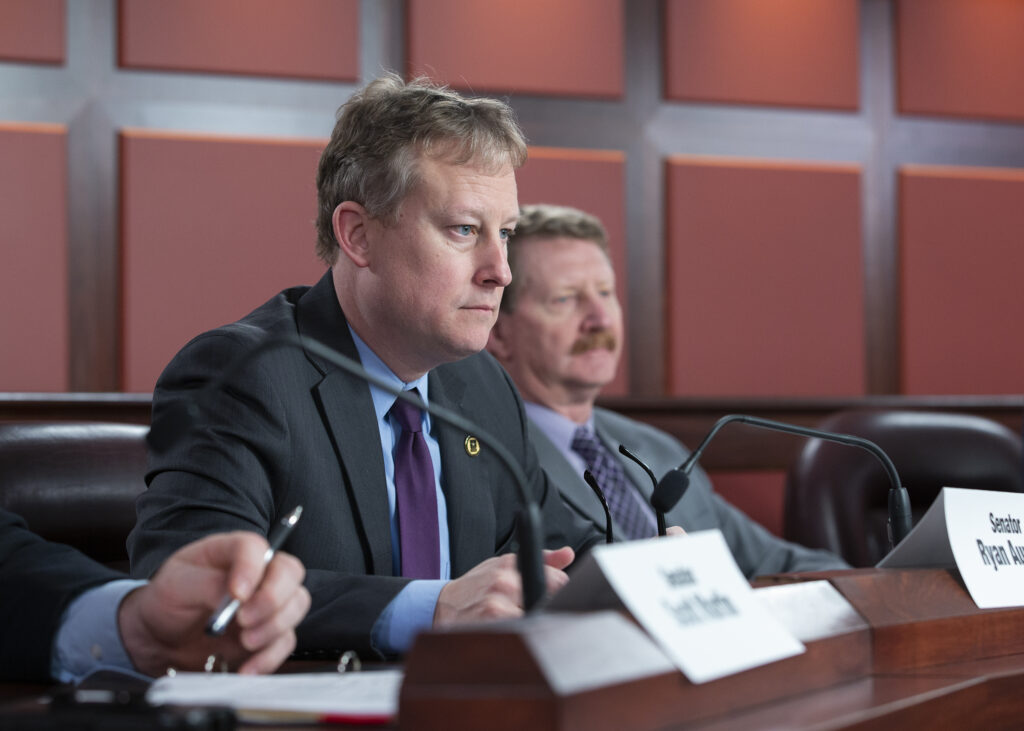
(559, 335)
(63, 615)
(408, 522)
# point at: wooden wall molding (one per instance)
(688, 419)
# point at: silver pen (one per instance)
(221, 618)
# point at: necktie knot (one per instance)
(586, 445)
(409, 417)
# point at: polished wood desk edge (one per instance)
(914, 637)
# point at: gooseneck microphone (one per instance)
(588, 477)
(182, 415)
(658, 513)
(900, 518)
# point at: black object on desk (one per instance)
(111, 700)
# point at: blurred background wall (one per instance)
(807, 198)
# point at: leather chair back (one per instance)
(75, 483)
(837, 496)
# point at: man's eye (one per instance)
(506, 233)
(465, 229)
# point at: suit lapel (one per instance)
(573, 489)
(347, 410)
(691, 513)
(612, 438)
(463, 479)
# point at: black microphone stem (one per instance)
(658, 514)
(588, 477)
(900, 517)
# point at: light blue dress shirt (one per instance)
(560, 430)
(89, 639)
(412, 610)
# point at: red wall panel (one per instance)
(316, 39)
(211, 228)
(32, 30)
(765, 281)
(569, 47)
(784, 52)
(961, 58)
(593, 181)
(961, 231)
(33, 258)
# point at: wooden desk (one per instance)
(885, 649)
(983, 694)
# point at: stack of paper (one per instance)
(359, 698)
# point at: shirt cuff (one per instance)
(408, 614)
(89, 638)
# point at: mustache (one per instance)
(601, 339)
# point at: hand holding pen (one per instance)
(162, 623)
(220, 619)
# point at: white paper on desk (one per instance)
(362, 696)
(978, 532)
(692, 599)
(986, 533)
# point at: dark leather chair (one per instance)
(75, 483)
(837, 496)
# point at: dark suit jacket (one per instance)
(756, 550)
(38, 579)
(291, 430)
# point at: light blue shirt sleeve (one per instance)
(89, 639)
(408, 614)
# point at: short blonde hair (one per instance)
(384, 128)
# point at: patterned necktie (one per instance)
(624, 502)
(415, 497)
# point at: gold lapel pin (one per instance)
(472, 446)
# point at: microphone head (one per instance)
(174, 423)
(669, 490)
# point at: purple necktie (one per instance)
(624, 502)
(415, 497)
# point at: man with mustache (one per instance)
(559, 335)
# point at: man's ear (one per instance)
(351, 229)
(498, 343)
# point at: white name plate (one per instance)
(981, 533)
(692, 599)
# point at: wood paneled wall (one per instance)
(805, 199)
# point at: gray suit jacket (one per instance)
(756, 550)
(293, 430)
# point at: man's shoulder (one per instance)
(211, 351)
(613, 421)
(275, 315)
